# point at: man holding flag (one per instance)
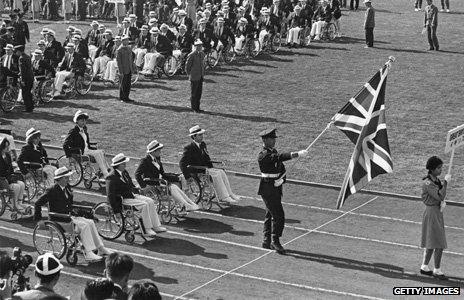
(273, 175)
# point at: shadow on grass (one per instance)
(251, 63)
(452, 52)
(153, 85)
(291, 53)
(165, 245)
(68, 103)
(386, 11)
(269, 57)
(401, 50)
(354, 40)
(4, 121)
(12, 242)
(326, 47)
(245, 118)
(41, 115)
(203, 225)
(164, 107)
(456, 13)
(386, 270)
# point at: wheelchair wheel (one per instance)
(134, 77)
(170, 66)
(164, 211)
(109, 225)
(253, 47)
(49, 237)
(31, 187)
(46, 90)
(212, 58)
(72, 164)
(71, 257)
(9, 98)
(193, 189)
(84, 83)
(331, 31)
(129, 237)
(14, 216)
(2, 204)
(228, 54)
(275, 44)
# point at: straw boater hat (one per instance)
(152, 14)
(70, 45)
(132, 16)
(164, 26)
(44, 31)
(31, 133)
(220, 20)
(154, 30)
(38, 52)
(71, 28)
(94, 23)
(52, 33)
(41, 42)
(365, 1)
(117, 38)
(62, 172)
(182, 26)
(153, 146)
(9, 47)
(108, 31)
(182, 12)
(47, 264)
(79, 115)
(198, 42)
(153, 21)
(144, 27)
(196, 129)
(119, 159)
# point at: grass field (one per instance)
(297, 91)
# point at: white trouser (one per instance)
(151, 61)
(111, 70)
(49, 171)
(60, 77)
(221, 184)
(337, 25)
(18, 192)
(262, 36)
(317, 28)
(180, 197)
(219, 46)
(139, 56)
(99, 64)
(293, 35)
(93, 51)
(177, 54)
(88, 233)
(239, 43)
(146, 210)
(99, 156)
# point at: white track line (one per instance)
(307, 287)
(269, 252)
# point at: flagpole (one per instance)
(320, 134)
(341, 196)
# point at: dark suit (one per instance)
(194, 156)
(143, 41)
(223, 36)
(54, 52)
(195, 68)
(106, 49)
(6, 167)
(117, 189)
(21, 32)
(125, 66)
(58, 202)
(42, 68)
(82, 49)
(271, 162)
(164, 46)
(189, 23)
(30, 154)
(75, 141)
(27, 80)
(185, 43)
(148, 170)
(205, 36)
(12, 71)
(73, 63)
(92, 37)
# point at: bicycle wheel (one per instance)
(212, 58)
(134, 77)
(9, 98)
(275, 43)
(49, 237)
(30, 187)
(72, 164)
(228, 54)
(46, 90)
(170, 66)
(253, 47)
(330, 31)
(193, 189)
(109, 225)
(84, 83)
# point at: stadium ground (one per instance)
(362, 251)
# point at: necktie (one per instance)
(70, 61)
(67, 193)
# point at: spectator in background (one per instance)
(433, 225)
(443, 3)
(431, 24)
(98, 289)
(369, 23)
(353, 5)
(144, 290)
(418, 5)
(118, 268)
(47, 270)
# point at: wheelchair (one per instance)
(43, 90)
(9, 95)
(272, 43)
(6, 196)
(211, 58)
(134, 79)
(167, 208)
(85, 168)
(112, 225)
(80, 83)
(35, 185)
(251, 47)
(59, 238)
(168, 67)
(328, 31)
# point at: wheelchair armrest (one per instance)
(32, 164)
(151, 181)
(54, 214)
(197, 167)
(82, 206)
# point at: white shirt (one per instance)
(84, 136)
(120, 175)
(7, 62)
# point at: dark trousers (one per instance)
(432, 37)
(274, 219)
(196, 90)
(343, 3)
(27, 96)
(443, 3)
(355, 6)
(418, 4)
(370, 37)
(125, 86)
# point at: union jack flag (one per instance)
(362, 119)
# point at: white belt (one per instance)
(269, 175)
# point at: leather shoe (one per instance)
(275, 245)
(429, 273)
(440, 277)
(266, 245)
(27, 111)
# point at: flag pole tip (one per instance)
(391, 58)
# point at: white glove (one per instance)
(442, 205)
(302, 153)
(448, 178)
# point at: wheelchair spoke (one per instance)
(49, 239)
(109, 225)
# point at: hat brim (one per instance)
(199, 132)
(32, 135)
(160, 146)
(120, 162)
(67, 174)
(84, 115)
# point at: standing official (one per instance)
(369, 24)
(27, 77)
(431, 24)
(195, 68)
(126, 68)
(21, 30)
(273, 175)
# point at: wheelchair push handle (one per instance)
(32, 164)
(197, 167)
(54, 214)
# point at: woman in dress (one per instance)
(433, 226)
(7, 176)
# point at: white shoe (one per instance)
(437, 272)
(447, 10)
(90, 256)
(228, 200)
(149, 233)
(442, 9)
(235, 197)
(192, 207)
(160, 229)
(102, 251)
(425, 268)
(317, 38)
(416, 9)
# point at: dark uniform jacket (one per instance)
(106, 49)
(206, 37)
(82, 49)
(74, 63)
(164, 45)
(194, 156)
(42, 68)
(271, 162)
(6, 167)
(74, 140)
(30, 154)
(143, 41)
(223, 36)
(25, 70)
(13, 71)
(187, 22)
(296, 20)
(21, 32)
(148, 170)
(54, 52)
(185, 43)
(58, 202)
(118, 189)
(170, 35)
(92, 37)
